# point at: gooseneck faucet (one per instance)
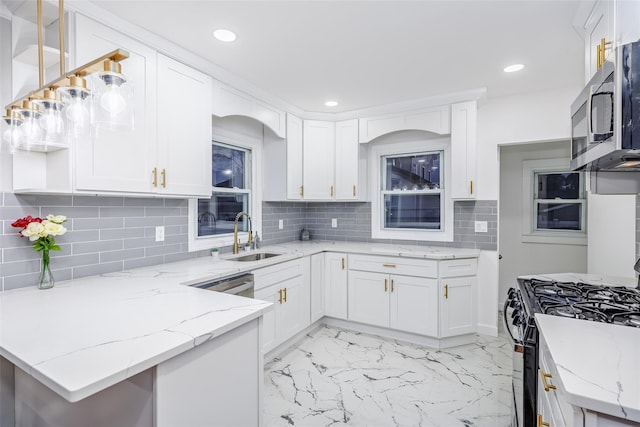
(236, 244)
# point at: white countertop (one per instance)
(85, 335)
(597, 364)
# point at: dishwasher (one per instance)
(241, 285)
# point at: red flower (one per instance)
(23, 222)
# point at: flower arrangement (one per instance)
(41, 232)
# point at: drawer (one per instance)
(394, 265)
(277, 273)
(458, 267)
(561, 408)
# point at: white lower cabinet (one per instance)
(317, 286)
(368, 298)
(457, 306)
(287, 286)
(335, 285)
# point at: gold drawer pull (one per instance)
(332, 191)
(285, 295)
(470, 187)
(154, 172)
(302, 191)
(446, 291)
(343, 263)
(280, 296)
(545, 384)
(385, 285)
(542, 423)
(389, 265)
(164, 178)
(391, 285)
(354, 191)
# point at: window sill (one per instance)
(417, 235)
(556, 238)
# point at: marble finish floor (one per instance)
(338, 377)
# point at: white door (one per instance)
(294, 157)
(294, 310)
(346, 162)
(414, 305)
(318, 164)
(317, 286)
(269, 294)
(369, 297)
(184, 130)
(116, 160)
(335, 285)
(457, 306)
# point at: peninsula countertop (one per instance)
(85, 335)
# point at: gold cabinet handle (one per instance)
(385, 285)
(302, 191)
(164, 178)
(545, 384)
(332, 191)
(343, 263)
(470, 187)
(391, 285)
(389, 265)
(280, 296)
(600, 52)
(154, 172)
(285, 295)
(446, 291)
(542, 423)
(354, 191)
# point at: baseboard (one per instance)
(490, 330)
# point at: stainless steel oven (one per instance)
(241, 285)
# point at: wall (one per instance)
(529, 258)
(354, 223)
(105, 234)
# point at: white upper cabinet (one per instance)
(294, 158)
(184, 130)
(346, 160)
(118, 160)
(435, 119)
(318, 160)
(228, 101)
(463, 150)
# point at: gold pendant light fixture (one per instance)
(96, 94)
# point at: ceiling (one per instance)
(370, 53)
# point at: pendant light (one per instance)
(47, 118)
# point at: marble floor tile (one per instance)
(338, 377)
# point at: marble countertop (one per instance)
(597, 364)
(85, 335)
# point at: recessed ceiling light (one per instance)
(513, 68)
(331, 103)
(224, 35)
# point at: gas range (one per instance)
(596, 302)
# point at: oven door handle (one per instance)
(517, 344)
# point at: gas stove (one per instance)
(600, 303)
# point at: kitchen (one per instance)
(502, 119)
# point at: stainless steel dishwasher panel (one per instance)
(241, 285)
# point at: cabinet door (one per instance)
(600, 25)
(184, 129)
(463, 150)
(369, 298)
(113, 160)
(294, 157)
(318, 163)
(317, 286)
(294, 310)
(346, 160)
(457, 306)
(269, 294)
(414, 305)
(335, 285)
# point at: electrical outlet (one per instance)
(481, 226)
(280, 224)
(334, 222)
(160, 233)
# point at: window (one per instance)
(231, 178)
(553, 203)
(412, 191)
(409, 200)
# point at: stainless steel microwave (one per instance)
(605, 117)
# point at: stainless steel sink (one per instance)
(254, 257)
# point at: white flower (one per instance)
(34, 231)
(53, 228)
(58, 219)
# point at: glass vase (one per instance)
(46, 277)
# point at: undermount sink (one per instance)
(254, 257)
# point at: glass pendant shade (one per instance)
(51, 121)
(12, 135)
(112, 105)
(31, 131)
(77, 100)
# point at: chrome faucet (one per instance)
(236, 244)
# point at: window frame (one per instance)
(410, 144)
(254, 147)
(530, 231)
